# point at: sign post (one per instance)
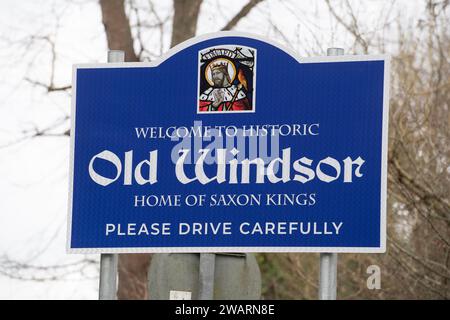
(230, 144)
(108, 276)
(328, 261)
(108, 262)
(328, 276)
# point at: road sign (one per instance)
(229, 143)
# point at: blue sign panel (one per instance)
(230, 143)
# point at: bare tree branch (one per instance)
(352, 28)
(48, 87)
(241, 14)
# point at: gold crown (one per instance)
(219, 65)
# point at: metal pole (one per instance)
(335, 52)
(328, 261)
(108, 276)
(116, 56)
(108, 262)
(328, 275)
(206, 276)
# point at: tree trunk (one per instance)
(132, 268)
(117, 28)
(184, 20)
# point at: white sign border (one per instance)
(193, 41)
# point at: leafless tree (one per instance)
(416, 265)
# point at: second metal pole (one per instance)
(328, 276)
(328, 261)
(108, 262)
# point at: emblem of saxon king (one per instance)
(227, 79)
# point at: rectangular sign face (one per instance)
(229, 144)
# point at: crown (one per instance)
(219, 65)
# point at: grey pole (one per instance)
(328, 261)
(116, 56)
(108, 262)
(335, 52)
(108, 276)
(328, 275)
(206, 276)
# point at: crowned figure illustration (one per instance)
(226, 80)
